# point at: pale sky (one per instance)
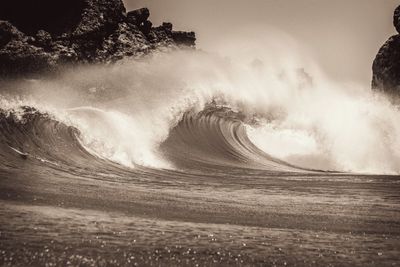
(344, 35)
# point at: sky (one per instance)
(342, 35)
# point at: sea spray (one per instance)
(293, 111)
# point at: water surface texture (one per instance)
(143, 164)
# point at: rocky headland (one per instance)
(45, 35)
(386, 66)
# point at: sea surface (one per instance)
(190, 158)
(226, 203)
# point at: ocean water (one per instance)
(191, 158)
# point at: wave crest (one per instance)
(213, 138)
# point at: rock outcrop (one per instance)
(386, 66)
(396, 19)
(44, 35)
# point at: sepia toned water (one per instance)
(192, 159)
(225, 203)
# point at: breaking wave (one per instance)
(190, 110)
(213, 138)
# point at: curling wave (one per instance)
(214, 138)
(41, 140)
(194, 110)
(217, 137)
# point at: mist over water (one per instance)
(289, 108)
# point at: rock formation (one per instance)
(46, 34)
(386, 66)
(396, 19)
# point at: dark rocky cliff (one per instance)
(386, 66)
(46, 34)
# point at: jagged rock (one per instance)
(139, 16)
(18, 56)
(396, 19)
(64, 54)
(8, 32)
(124, 42)
(386, 66)
(146, 26)
(44, 34)
(184, 38)
(99, 17)
(43, 38)
(167, 26)
(164, 34)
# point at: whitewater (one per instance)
(246, 156)
(125, 112)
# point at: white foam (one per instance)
(309, 121)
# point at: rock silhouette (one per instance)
(44, 35)
(386, 66)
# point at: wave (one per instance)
(211, 139)
(37, 137)
(216, 137)
(192, 110)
